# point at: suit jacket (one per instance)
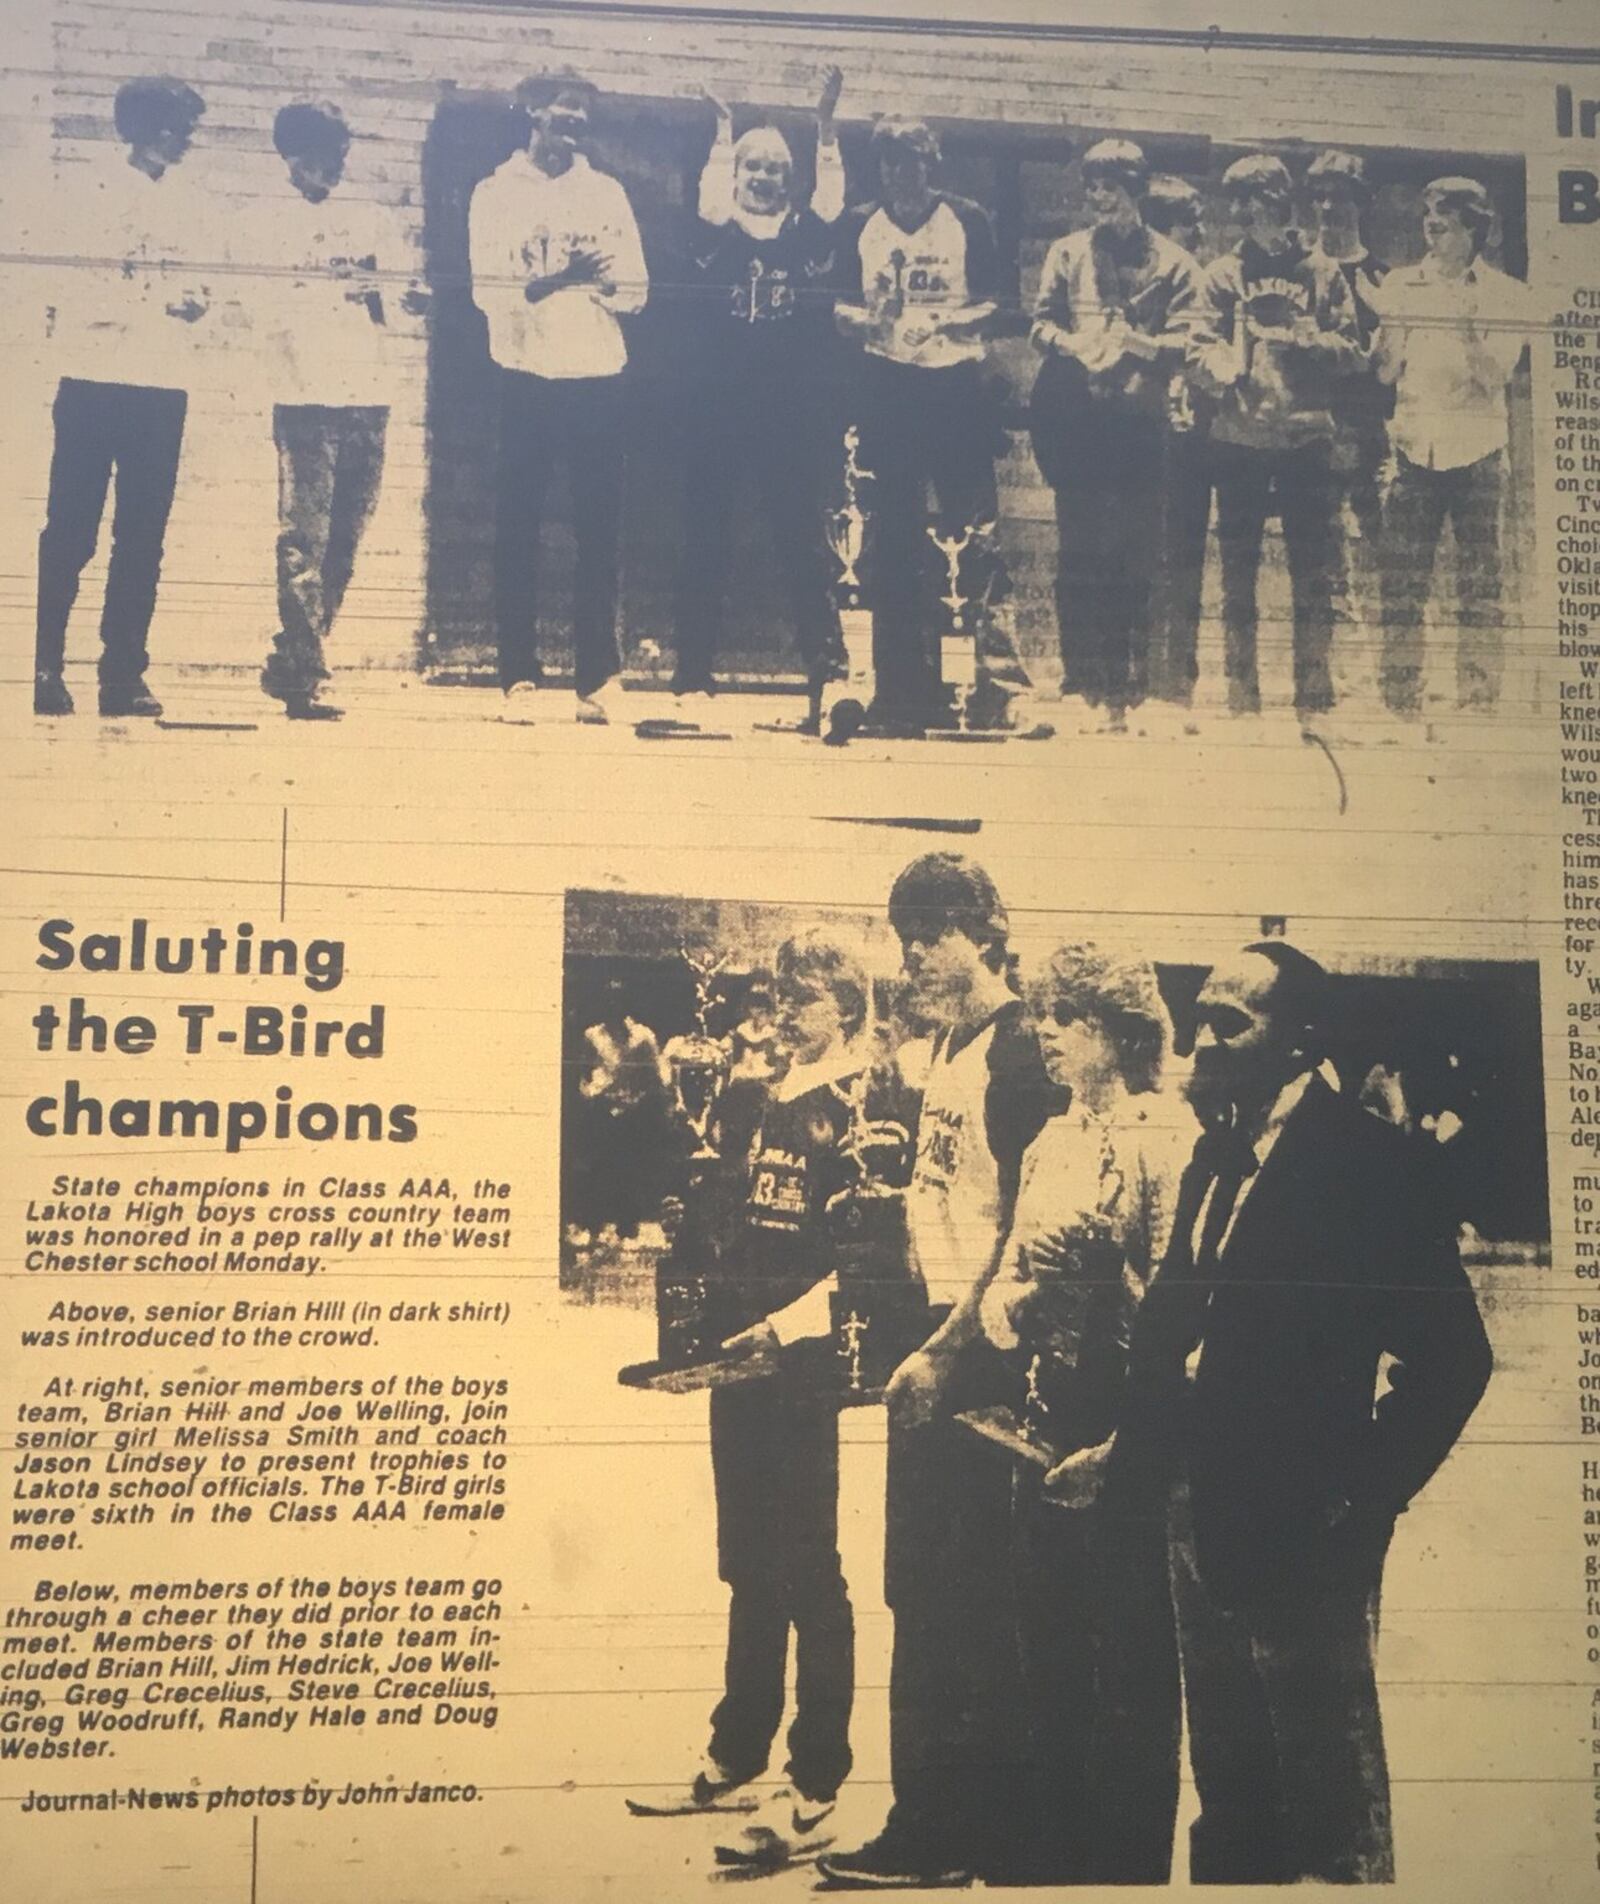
(1341, 1254)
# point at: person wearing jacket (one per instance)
(1274, 331)
(762, 407)
(1111, 319)
(1309, 1251)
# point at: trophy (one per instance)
(874, 1299)
(958, 644)
(700, 1210)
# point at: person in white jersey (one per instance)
(956, 1755)
(556, 263)
(327, 349)
(121, 333)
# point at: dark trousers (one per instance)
(1185, 518)
(775, 1460)
(1298, 483)
(1098, 1647)
(957, 1754)
(137, 430)
(925, 433)
(1107, 553)
(578, 420)
(1419, 502)
(330, 463)
(1285, 1735)
(750, 441)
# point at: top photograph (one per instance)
(873, 384)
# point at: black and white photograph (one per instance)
(789, 387)
(1123, 1301)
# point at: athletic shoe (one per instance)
(890, 1862)
(130, 700)
(786, 1826)
(50, 694)
(711, 1788)
(311, 707)
(596, 710)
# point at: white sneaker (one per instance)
(786, 1827)
(599, 708)
(710, 1788)
(520, 701)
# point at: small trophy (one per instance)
(958, 644)
(870, 1247)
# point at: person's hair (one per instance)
(1120, 160)
(539, 90)
(1259, 173)
(916, 135)
(1347, 167)
(825, 958)
(1299, 997)
(1469, 198)
(305, 130)
(1119, 994)
(146, 107)
(944, 890)
(1170, 201)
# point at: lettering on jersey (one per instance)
(941, 1139)
(778, 1190)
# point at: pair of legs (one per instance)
(135, 430)
(330, 464)
(1185, 518)
(1106, 555)
(1420, 502)
(1285, 1734)
(577, 420)
(1098, 1648)
(1298, 483)
(925, 434)
(775, 1460)
(760, 442)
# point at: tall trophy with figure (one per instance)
(849, 528)
(869, 1243)
(701, 1206)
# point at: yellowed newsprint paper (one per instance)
(800, 949)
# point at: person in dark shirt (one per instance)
(1362, 403)
(761, 407)
(774, 1436)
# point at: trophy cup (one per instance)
(1062, 1407)
(705, 1197)
(872, 1304)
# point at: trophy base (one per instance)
(689, 1378)
(1001, 1427)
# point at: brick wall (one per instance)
(400, 72)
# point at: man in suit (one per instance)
(1306, 1247)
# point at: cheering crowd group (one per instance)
(1294, 375)
(1267, 1344)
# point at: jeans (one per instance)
(578, 419)
(1107, 554)
(748, 440)
(1186, 516)
(775, 1458)
(1299, 483)
(330, 463)
(1419, 501)
(1285, 1735)
(137, 430)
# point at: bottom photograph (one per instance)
(1081, 1323)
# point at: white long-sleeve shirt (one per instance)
(142, 253)
(524, 224)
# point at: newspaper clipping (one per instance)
(802, 950)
